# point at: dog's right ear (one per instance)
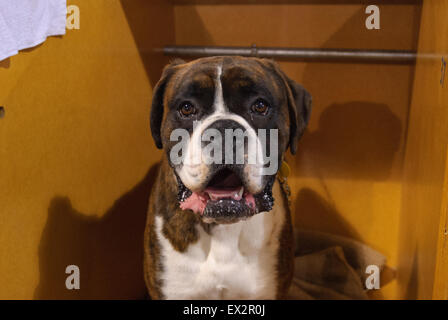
(157, 106)
(299, 103)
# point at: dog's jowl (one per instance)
(218, 224)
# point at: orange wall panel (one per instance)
(75, 150)
(423, 267)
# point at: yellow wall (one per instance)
(423, 263)
(75, 149)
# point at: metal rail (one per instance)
(390, 56)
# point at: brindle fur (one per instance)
(180, 226)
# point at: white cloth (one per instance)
(27, 23)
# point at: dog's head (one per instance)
(225, 123)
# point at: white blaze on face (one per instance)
(195, 169)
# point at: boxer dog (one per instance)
(221, 230)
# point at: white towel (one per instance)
(27, 23)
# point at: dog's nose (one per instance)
(222, 125)
(232, 137)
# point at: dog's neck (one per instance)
(252, 244)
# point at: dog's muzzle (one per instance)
(225, 198)
(223, 192)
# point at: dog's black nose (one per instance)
(232, 138)
(222, 125)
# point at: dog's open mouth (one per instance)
(225, 199)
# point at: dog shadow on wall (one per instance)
(107, 250)
(356, 140)
(353, 141)
(357, 126)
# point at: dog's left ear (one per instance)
(158, 95)
(299, 104)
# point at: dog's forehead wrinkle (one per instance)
(197, 69)
(212, 72)
(197, 80)
(249, 79)
(219, 104)
(248, 66)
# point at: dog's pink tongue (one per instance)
(235, 193)
(250, 200)
(196, 202)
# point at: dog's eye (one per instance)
(187, 109)
(260, 106)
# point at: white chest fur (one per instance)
(234, 261)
